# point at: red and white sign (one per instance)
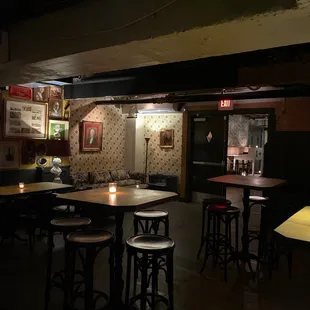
(226, 104)
(21, 92)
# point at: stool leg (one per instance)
(218, 238)
(237, 241)
(128, 278)
(170, 279)
(207, 241)
(167, 227)
(48, 270)
(144, 282)
(111, 262)
(154, 280)
(66, 277)
(214, 241)
(71, 277)
(227, 223)
(135, 273)
(155, 226)
(89, 285)
(202, 237)
(146, 227)
(135, 225)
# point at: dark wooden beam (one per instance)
(209, 73)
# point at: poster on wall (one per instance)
(9, 154)
(25, 120)
(91, 136)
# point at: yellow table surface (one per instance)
(297, 226)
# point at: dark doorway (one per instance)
(207, 148)
(209, 140)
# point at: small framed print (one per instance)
(9, 154)
(58, 130)
(55, 109)
(91, 136)
(55, 92)
(41, 94)
(166, 139)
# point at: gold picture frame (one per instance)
(166, 139)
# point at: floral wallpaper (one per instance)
(167, 161)
(113, 138)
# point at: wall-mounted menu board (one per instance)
(25, 120)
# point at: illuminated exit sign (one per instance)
(226, 104)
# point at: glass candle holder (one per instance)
(112, 187)
(21, 185)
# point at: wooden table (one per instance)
(125, 200)
(297, 226)
(42, 187)
(247, 183)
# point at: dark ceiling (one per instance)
(13, 11)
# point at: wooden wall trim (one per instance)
(184, 155)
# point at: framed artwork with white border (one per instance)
(58, 130)
(25, 119)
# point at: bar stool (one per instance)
(217, 244)
(262, 234)
(149, 221)
(152, 248)
(88, 244)
(65, 226)
(205, 204)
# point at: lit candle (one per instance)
(112, 187)
(21, 185)
(137, 186)
(243, 173)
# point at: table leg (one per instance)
(246, 217)
(118, 268)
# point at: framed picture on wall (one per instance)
(91, 136)
(58, 130)
(25, 119)
(20, 92)
(41, 94)
(166, 139)
(55, 109)
(55, 92)
(9, 154)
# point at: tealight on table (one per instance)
(13, 191)
(125, 199)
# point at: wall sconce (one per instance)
(112, 187)
(21, 185)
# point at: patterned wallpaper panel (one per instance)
(113, 137)
(164, 160)
(238, 131)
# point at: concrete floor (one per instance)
(22, 276)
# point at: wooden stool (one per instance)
(264, 250)
(91, 243)
(216, 242)
(152, 248)
(65, 226)
(205, 204)
(149, 221)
